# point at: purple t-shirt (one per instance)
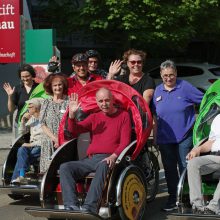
(175, 111)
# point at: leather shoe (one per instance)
(72, 208)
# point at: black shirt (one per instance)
(20, 96)
(146, 82)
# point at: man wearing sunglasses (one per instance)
(138, 80)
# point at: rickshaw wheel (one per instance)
(16, 196)
(133, 195)
(153, 178)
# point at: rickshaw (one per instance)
(210, 107)
(18, 192)
(136, 169)
(14, 191)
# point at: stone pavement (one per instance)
(6, 138)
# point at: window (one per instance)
(184, 71)
(215, 71)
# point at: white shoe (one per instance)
(19, 181)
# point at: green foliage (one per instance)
(138, 22)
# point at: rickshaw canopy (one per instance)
(124, 97)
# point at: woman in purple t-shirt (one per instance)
(174, 115)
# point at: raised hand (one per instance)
(54, 59)
(114, 68)
(9, 90)
(53, 64)
(73, 105)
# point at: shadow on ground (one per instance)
(27, 201)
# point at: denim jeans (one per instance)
(72, 171)
(25, 157)
(174, 161)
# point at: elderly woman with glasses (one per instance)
(29, 152)
(140, 81)
(174, 114)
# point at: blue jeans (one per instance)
(173, 156)
(25, 157)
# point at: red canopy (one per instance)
(124, 96)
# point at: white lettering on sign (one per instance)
(10, 41)
(11, 55)
(7, 25)
(7, 9)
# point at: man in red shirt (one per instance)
(81, 74)
(110, 131)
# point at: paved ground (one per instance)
(5, 138)
(5, 144)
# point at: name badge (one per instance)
(159, 98)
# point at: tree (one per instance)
(139, 22)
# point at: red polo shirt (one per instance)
(74, 84)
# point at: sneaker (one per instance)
(197, 211)
(208, 211)
(15, 181)
(23, 180)
(169, 207)
(20, 181)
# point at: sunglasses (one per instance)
(133, 62)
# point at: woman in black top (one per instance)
(20, 93)
(140, 81)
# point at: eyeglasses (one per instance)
(171, 76)
(133, 62)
